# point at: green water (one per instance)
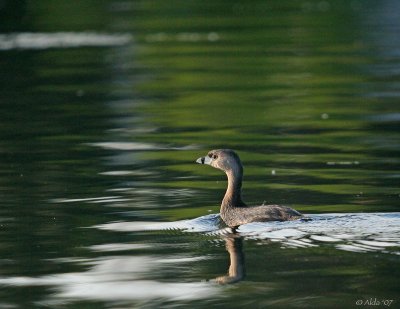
(106, 105)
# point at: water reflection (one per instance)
(134, 146)
(236, 271)
(116, 278)
(131, 271)
(61, 40)
(359, 233)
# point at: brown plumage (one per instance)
(234, 211)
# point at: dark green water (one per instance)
(105, 106)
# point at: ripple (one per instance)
(350, 232)
(392, 117)
(128, 173)
(182, 37)
(61, 40)
(114, 279)
(117, 247)
(138, 146)
(103, 199)
(202, 224)
(324, 238)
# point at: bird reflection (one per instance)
(236, 271)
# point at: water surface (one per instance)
(105, 107)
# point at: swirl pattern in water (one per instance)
(351, 232)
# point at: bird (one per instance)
(234, 212)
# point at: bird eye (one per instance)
(212, 156)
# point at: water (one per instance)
(105, 106)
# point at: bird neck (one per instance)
(233, 195)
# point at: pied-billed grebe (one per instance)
(234, 211)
